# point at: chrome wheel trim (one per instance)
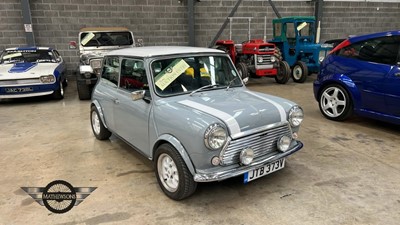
(168, 172)
(297, 72)
(95, 122)
(333, 102)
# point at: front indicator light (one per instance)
(246, 156)
(215, 161)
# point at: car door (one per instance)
(131, 117)
(388, 51)
(107, 89)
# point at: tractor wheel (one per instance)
(242, 69)
(278, 54)
(283, 74)
(299, 72)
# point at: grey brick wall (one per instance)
(164, 22)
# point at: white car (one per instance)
(31, 71)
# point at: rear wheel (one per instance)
(283, 74)
(242, 69)
(172, 174)
(335, 103)
(299, 72)
(98, 128)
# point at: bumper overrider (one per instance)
(229, 172)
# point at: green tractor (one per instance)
(295, 37)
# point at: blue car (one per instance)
(31, 71)
(362, 76)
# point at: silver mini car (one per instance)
(186, 109)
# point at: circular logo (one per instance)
(169, 70)
(59, 196)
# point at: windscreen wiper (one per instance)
(202, 88)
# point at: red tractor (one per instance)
(255, 57)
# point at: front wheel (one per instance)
(83, 91)
(283, 75)
(299, 72)
(59, 93)
(98, 128)
(335, 103)
(172, 174)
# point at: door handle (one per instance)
(116, 101)
(397, 74)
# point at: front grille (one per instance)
(263, 143)
(266, 60)
(20, 82)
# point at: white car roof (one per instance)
(27, 48)
(150, 51)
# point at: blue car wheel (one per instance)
(335, 103)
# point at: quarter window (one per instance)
(111, 69)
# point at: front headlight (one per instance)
(215, 136)
(259, 59)
(273, 59)
(46, 79)
(296, 116)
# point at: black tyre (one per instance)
(83, 92)
(242, 69)
(278, 54)
(98, 128)
(299, 72)
(335, 103)
(65, 83)
(283, 75)
(172, 174)
(59, 93)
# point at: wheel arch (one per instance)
(169, 139)
(347, 83)
(96, 104)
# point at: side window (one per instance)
(380, 50)
(290, 30)
(111, 69)
(133, 75)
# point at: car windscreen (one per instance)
(96, 39)
(180, 75)
(33, 55)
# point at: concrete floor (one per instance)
(347, 173)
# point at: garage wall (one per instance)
(164, 22)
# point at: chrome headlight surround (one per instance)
(47, 79)
(273, 59)
(296, 116)
(259, 59)
(215, 136)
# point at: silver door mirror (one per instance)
(137, 95)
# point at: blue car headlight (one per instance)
(47, 79)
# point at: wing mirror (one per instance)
(137, 95)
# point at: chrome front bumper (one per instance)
(203, 176)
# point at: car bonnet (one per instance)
(239, 110)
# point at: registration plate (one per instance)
(264, 170)
(17, 90)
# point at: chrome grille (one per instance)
(263, 143)
(266, 59)
(20, 82)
